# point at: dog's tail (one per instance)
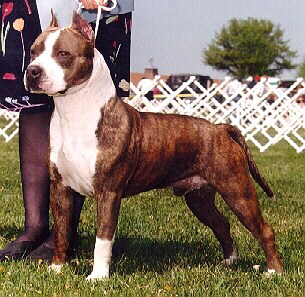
(238, 137)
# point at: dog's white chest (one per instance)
(74, 151)
(73, 140)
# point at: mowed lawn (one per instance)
(160, 248)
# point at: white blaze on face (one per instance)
(53, 78)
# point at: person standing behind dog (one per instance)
(21, 24)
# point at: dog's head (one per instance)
(61, 57)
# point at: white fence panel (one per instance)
(9, 124)
(264, 118)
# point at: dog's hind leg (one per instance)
(108, 205)
(239, 193)
(202, 204)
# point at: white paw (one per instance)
(98, 275)
(231, 260)
(270, 273)
(55, 268)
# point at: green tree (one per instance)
(301, 69)
(249, 47)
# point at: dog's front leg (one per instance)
(61, 201)
(108, 205)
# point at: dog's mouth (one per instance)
(62, 92)
(42, 86)
(45, 90)
(39, 88)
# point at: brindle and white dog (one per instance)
(102, 147)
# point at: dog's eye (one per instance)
(32, 53)
(63, 54)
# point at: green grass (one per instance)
(160, 248)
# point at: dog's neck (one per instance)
(90, 95)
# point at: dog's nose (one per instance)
(34, 71)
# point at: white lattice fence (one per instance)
(9, 124)
(264, 118)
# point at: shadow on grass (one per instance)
(134, 254)
(10, 232)
(139, 254)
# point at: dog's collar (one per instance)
(72, 90)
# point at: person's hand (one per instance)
(91, 4)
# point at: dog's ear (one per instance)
(54, 22)
(82, 26)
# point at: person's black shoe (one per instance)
(17, 250)
(43, 253)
